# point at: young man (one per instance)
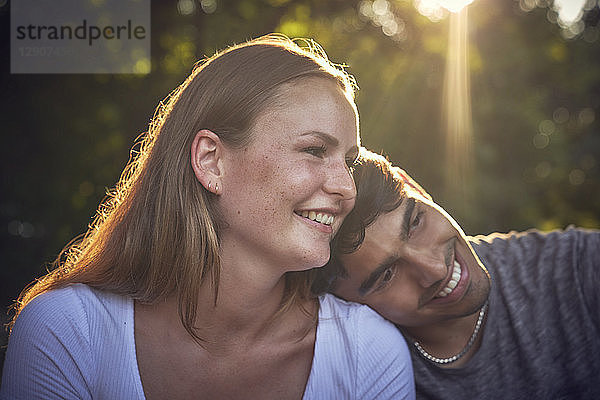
(505, 316)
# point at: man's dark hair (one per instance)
(379, 188)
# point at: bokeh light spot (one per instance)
(142, 66)
(380, 7)
(380, 14)
(366, 9)
(541, 140)
(586, 116)
(560, 115)
(576, 176)
(208, 6)
(186, 7)
(430, 9)
(527, 5)
(23, 229)
(547, 127)
(558, 52)
(543, 169)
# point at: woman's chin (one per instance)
(312, 260)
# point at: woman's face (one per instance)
(286, 194)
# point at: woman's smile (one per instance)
(320, 220)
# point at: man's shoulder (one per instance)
(569, 231)
(533, 237)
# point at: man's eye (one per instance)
(414, 224)
(386, 277)
(317, 151)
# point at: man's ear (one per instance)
(206, 151)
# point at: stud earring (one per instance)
(209, 183)
(216, 188)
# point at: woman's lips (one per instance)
(312, 218)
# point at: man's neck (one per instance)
(448, 338)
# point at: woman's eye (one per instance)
(317, 151)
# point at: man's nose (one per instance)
(428, 265)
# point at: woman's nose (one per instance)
(340, 181)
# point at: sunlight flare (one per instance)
(430, 6)
(457, 108)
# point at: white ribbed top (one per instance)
(78, 343)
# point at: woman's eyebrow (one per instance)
(326, 137)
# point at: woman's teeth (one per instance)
(323, 218)
(453, 282)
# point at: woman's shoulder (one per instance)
(77, 308)
(65, 301)
(334, 307)
(70, 340)
(74, 298)
(355, 344)
(68, 293)
(355, 319)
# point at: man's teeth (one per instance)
(323, 218)
(453, 282)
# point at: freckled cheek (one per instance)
(290, 182)
(266, 190)
(257, 174)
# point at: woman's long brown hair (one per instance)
(157, 232)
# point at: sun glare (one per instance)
(434, 7)
(457, 107)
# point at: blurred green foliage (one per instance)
(535, 101)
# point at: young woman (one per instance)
(193, 281)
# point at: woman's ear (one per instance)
(206, 160)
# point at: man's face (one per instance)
(415, 267)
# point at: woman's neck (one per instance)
(243, 305)
(248, 300)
